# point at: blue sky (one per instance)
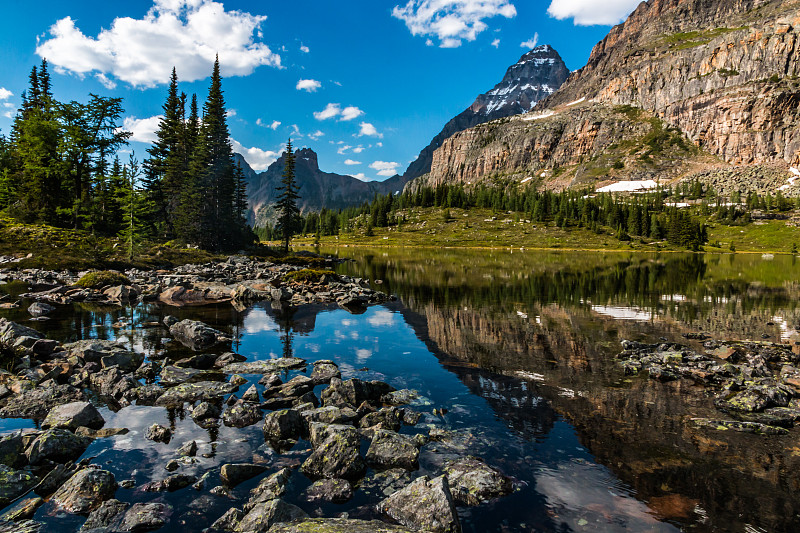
(365, 83)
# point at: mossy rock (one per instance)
(102, 278)
(308, 275)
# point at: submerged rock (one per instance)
(473, 482)
(737, 425)
(86, 491)
(425, 504)
(196, 335)
(233, 474)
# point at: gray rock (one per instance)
(188, 449)
(108, 515)
(158, 433)
(400, 397)
(264, 367)
(127, 361)
(264, 515)
(270, 488)
(174, 375)
(148, 394)
(12, 449)
(194, 392)
(40, 309)
(282, 426)
(324, 371)
(392, 450)
(14, 483)
(228, 521)
(251, 395)
(329, 415)
(206, 410)
(23, 526)
(473, 482)
(196, 335)
(171, 483)
(338, 525)
(57, 445)
(22, 509)
(330, 490)
(425, 504)
(74, 415)
(354, 392)
(242, 414)
(387, 418)
(336, 457)
(36, 403)
(85, 491)
(234, 474)
(146, 517)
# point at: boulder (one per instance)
(338, 525)
(392, 450)
(251, 394)
(329, 415)
(336, 457)
(270, 488)
(473, 482)
(242, 414)
(85, 491)
(282, 426)
(57, 445)
(170, 484)
(14, 483)
(146, 517)
(74, 415)
(264, 515)
(196, 335)
(12, 449)
(425, 505)
(174, 375)
(36, 403)
(354, 392)
(233, 474)
(264, 367)
(205, 410)
(228, 521)
(107, 515)
(193, 392)
(387, 418)
(158, 433)
(324, 371)
(40, 309)
(16, 338)
(330, 490)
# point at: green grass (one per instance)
(774, 236)
(692, 39)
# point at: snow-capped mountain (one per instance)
(536, 75)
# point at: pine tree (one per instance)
(288, 212)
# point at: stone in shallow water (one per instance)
(36, 403)
(57, 445)
(73, 415)
(264, 515)
(109, 513)
(196, 335)
(86, 491)
(338, 525)
(233, 474)
(158, 433)
(242, 414)
(392, 450)
(25, 526)
(425, 504)
(264, 367)
(193, 392)
(14, 483)
(736, 425)
(146, 517)
(472, 481)
(330, 490)
(336, 457)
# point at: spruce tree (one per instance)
(288, 212)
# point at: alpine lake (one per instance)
(515, 356)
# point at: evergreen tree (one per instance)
(288, 212)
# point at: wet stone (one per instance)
(105, 516)
(264, 515)
(193, 392)
(392, 450)
(158, 433)
(72, 416)
(206, 410)
(36, 403)
(14, 483)
(23, 509)
(330, 490)
(234, 474)
(473, 482)
(242, 414)
(338, 525)
(425, 504)
(146, 517)
(336, 457)
(196, 335)
(85, 491)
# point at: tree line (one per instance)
(60, 165)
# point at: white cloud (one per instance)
(382, 318)
(351, 162)
(142, 52)
(9, 114)
(368, 130)
(592, 12)
(5, 94)
(385, 168)
(351, 112)
(272, 125)
(316, 135)
(531, 43)
(451, 21)
(358, 149)
(143, 129)
(304, 49)
(257, 158)
(308, 85)
(360, 176)
(330, 111)
(343, 149)
(296, 131)
(230, 113)
(496, 43)
(379, 145)
(335, 110)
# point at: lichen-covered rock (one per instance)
(330, 490)
(158, 433)
(107, 515)
(324, 371)
(473, 482)
(40, 309)
(329, 415)
(354, 392)
(387, 418)
(264, 515)
(205, 410)
(36, 403)
(338, 525)
(392, 450)
(74, 415)
(175, 375)
(282, 426)
(14, 483)
(251, 394)
(242, 414)
(233, 474)
(12, 449)
(270, 488)
(196, 335)
(146, 517)
(425, 504)
(23, 526)
(57, 445)
(194, 392)
(228, 521)
(86, 491)
(171, 483)
(336, 457)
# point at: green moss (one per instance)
(308, 275)
(102, 278)
(692, 39)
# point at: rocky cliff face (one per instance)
(724, 73)
(535, 76)
(317, 189)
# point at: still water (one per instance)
(519, 348)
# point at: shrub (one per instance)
(102, 278)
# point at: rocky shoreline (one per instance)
(317, 421)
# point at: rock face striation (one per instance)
(537, 74)
(723, 75)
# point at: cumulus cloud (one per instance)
(183, 33)
(385, 168)
(335, 110)
(5, 94)
(358, 149)
(272, 125)
(343, 149)
(316, 135)
(308, 85)
(143, 129)
(451, 21)
(368, 130)
(531, 43)
(305, 49)
(591, 12)
(351, 112)
(360, 176)
(351, 162)
(496, 43)
(257, 158)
